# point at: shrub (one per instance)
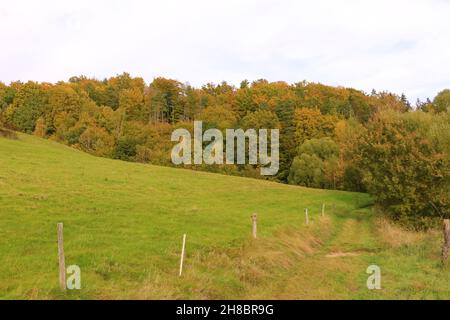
(126, 149)
(8, 134)
(96, 141)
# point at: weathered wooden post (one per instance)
(306, 216)
(446, 245)
(62, 263)
(254, 225)
(323, 209)
(182, 254)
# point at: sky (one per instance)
(401, 46)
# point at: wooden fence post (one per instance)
(182, 254)
(323, 209)
(62, 263)
(446, 245)
(306, 216)
(254, 225)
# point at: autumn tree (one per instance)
(220, 117)
(261, 119)
(30, 103)
(348, 135)
(97, 141)
(407, 167)
(132, 102)
(311, 123)
(65, 105)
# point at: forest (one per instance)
(330, 137)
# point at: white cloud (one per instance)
(401, 46)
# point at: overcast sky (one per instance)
(400, 46)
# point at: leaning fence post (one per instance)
(62, 263)
(446, 245)
(306, 216)
(182, 254)
(254, 225)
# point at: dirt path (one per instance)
(337, 269)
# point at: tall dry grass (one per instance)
(239, 273)
(395, 236)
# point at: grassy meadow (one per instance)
(124, 222)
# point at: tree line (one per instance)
(330, 137)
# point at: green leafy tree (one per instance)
(261, 119)
(126, 148)
(165, 100)
(441, 103)
(316, 164)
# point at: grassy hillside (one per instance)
(124, 223)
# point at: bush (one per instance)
(8, 134)
(126, 149)
(96, 141)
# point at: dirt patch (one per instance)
(342, 254)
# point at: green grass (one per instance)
(123, 225)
